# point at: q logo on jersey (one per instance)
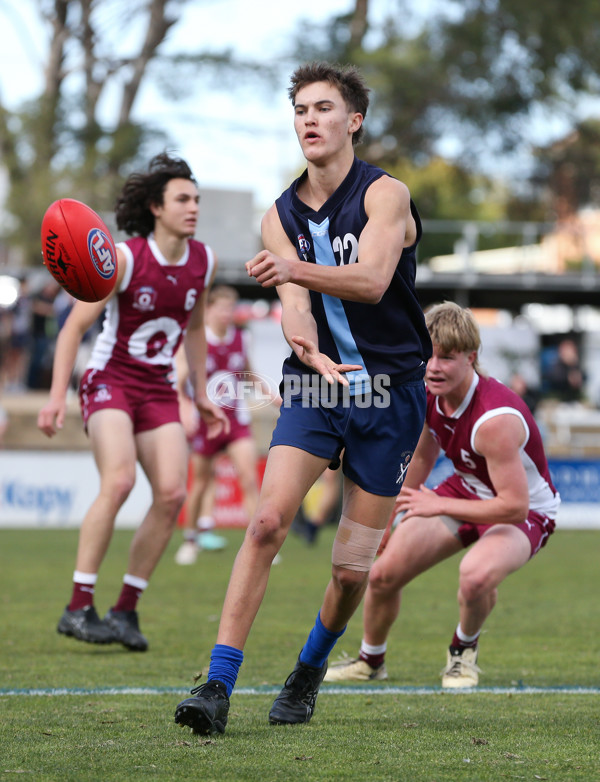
(102, 253)
(145, 298)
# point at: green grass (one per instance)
(542, 633)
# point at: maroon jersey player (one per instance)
(499, 501)
(128, 395)
(227, 363)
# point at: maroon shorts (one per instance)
(149, 405)
(205, 447)
(537, 527)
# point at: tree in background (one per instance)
(458, 90)
(79, 137)
(61, 142)
(570, 169)
(459, 95)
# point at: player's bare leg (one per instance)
(113, 446)
(415, 546)
(163, 456)
(162, 452)
(202, 475)
(358, 537)
(502, 550)
(278, 503)
(346, 587)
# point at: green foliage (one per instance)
(79, 138)
(469, 77)
(447, 191)
(463, 80)
(572, 169)
(543, 632)
(444, 191)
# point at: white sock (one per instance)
(205, 523)
(466, 639)
(85, 578)
(366, 648)
(134, 581)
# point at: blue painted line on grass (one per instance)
(326, 690)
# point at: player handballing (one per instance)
(340, 246)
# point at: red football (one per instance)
(78, 250)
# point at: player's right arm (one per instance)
(297, 321)
(389, 228)
(82, 316)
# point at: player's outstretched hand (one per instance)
(51, 417)
(321, 363)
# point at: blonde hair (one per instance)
(222, 292)
(454, 328)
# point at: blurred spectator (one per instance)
(43, 334)
(566, 378)
(63, 304)
(19, 340)
(529, 395)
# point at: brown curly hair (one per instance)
(142, 189)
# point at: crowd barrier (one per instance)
(40, 489)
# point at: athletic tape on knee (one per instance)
(355, 545)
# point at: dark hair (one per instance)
(348, 80)
(142, 189)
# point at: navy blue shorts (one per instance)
(378, 432)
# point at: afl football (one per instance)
(78, 250)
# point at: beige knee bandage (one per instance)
(355, 545)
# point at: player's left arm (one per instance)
(499, 441)
(196, 352)
(390, 227)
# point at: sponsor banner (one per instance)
(41, 489)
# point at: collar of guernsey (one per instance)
(359, 380)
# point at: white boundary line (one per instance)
(327, 690)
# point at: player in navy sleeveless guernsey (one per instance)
(340, 246)
(127, 394)
(500, 498)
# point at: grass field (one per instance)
(103, 713)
